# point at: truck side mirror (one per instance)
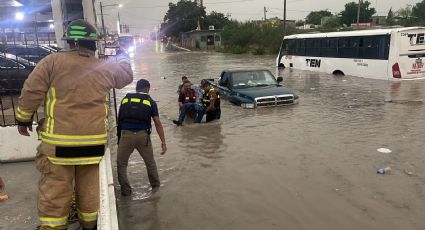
(279, 79)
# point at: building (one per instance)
(379, 20)
(27, 21)
(202, 39)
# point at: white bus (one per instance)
(396, 53)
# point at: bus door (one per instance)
(411, 56)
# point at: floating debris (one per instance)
(384, 150)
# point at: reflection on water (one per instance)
(312, 165)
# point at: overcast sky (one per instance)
(144, 15)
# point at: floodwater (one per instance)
(306, 166)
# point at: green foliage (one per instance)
(218, 20)
(332, 23)
(390, 21)
(315, 17)
(182, 17)
(259, 50)
(418, 13)
(258, 38)
(299, 23)
(404, 16)
(237, 49)
(349, 14)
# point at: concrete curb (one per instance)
(17, 148)
(107, 219)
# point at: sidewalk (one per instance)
(20, 211)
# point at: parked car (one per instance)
(14, 71)
(31, 53)
(253, 88)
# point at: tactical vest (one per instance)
(189, 97)
(136, 108)
(207, 98)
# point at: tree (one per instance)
(405, 15)
(349, 14)
(390, 18)
(315, 17)
(218, 20)
(299, 23)
(418, 13)
(332, 23)
(182, 17)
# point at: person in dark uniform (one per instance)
(134, 129)
(210, 101)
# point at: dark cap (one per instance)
(141, 84)
(205, 83)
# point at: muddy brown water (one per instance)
(307, 166)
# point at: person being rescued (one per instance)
(188, 104)
(210, 103)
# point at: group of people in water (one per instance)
(199, 101)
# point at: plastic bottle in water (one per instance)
(384, 170)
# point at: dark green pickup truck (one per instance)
(253, 89)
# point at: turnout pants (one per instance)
(142, 142)
(56, 187)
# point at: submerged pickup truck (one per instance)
(253, 88)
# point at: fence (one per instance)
(19, 53)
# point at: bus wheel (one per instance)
(338, 73)
(281, 65)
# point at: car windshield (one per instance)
(252, 79)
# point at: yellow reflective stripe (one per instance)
(73, 140)
(125, 100)
(23, 115)
(75, 160)
(135, 100)
(54, 222)
(49, 110)
(52, 106)
(24, 112)
(146, 102)
(106, 112)
(87, 216)
(24, 119)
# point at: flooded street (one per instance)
(307, 166)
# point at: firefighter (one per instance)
(210, 101)
(74, 87)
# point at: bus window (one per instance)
(383, 47)
(300, 50)
(312, 47)
(329, 47)
(291, 47)
(368, 48)
(348, 47)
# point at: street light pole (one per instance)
(284, 17)
(119, 23)
(103, 21)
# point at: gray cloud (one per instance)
(143, 16)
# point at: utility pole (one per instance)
(358, 14)
(284, 17)
(265, 14)
(103, 21)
